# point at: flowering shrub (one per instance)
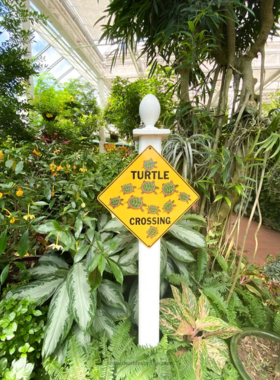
(40, 181)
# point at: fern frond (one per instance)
(176, 279)
(222, 262)
(216, 298)
(276, 324)
(120, 339)
(107, 369)
(77, 361)
(201, 263)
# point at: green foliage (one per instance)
(22, 327)
(272, 269)
(186, 317)
(123, 104)
(15, 67)
(67, 111)
(121, 358)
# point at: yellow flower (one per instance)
(1, 195)
(49, 115)
(1, 155)
(83, 205)
(12, 220)
(37, 153)
(19, 192)
(52, 167)
(28, 216)
(74, 167)
(56, 151)
(72, 99)
(59, 168)
(83, 170)
(54, 174)
(52, 194)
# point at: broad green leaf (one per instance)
(82, 338)
(170, 317)
(176, 294)
(60, 320)
(116, 270)
(23, 244)
(253, 290)
(170, 269)
(20, 369)
(110, 293)
(130, 255)
(113, 225)
(101, 322)
(218, 197)
(68, 240)
(41, 203)
(94, 262)
(83, 300)
(218, 354)
(43, 270)
(189, 300)
(38, 291)
(216, 326)
(5, 273)
(3, 365)
(194, 220)
(3, 241)
(182, 268)
(90, 234)
(48, 193)
(102, 264)
(199, 357)
(184, 329)
(78, 227)
(130, 270)
(19, 167)
(94, 279)
(45, 228)
(133, 302)
(190, 237)
(179, 251)
(163, 256)
(203, 307)
(102, 220)
(9, 163)
(116, 313)
(122, 240)
(54, 259)
(82, 251)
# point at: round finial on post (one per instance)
(149, 110)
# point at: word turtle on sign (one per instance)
(148, 197)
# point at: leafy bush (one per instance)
(22, 327)
(123, 104)
(68, 110)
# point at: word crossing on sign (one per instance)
(148, 197)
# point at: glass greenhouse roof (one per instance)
(70, 46)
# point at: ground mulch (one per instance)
(260, 357)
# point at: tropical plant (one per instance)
(186, 318)
(120, 358)
(81, 282)
(123, 103)
(22, 327)
(20, 370)
(69, 110)
(16, 67)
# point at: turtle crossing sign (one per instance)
(148, 197)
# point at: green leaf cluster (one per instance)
(22, 327)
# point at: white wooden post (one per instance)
(149, 258)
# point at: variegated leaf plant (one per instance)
(186, 318)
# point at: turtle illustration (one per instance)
(135, 203)
(152, 232)
(168, 206)
(128, 188)
(153, 209)
(116, 201)
(148, 187)
(169, 188)
(184, 197)
(149, 164)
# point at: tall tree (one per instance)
(15, 68)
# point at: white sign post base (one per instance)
(149, 258)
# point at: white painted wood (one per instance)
(149, 258)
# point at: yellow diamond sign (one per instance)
(148, 197)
